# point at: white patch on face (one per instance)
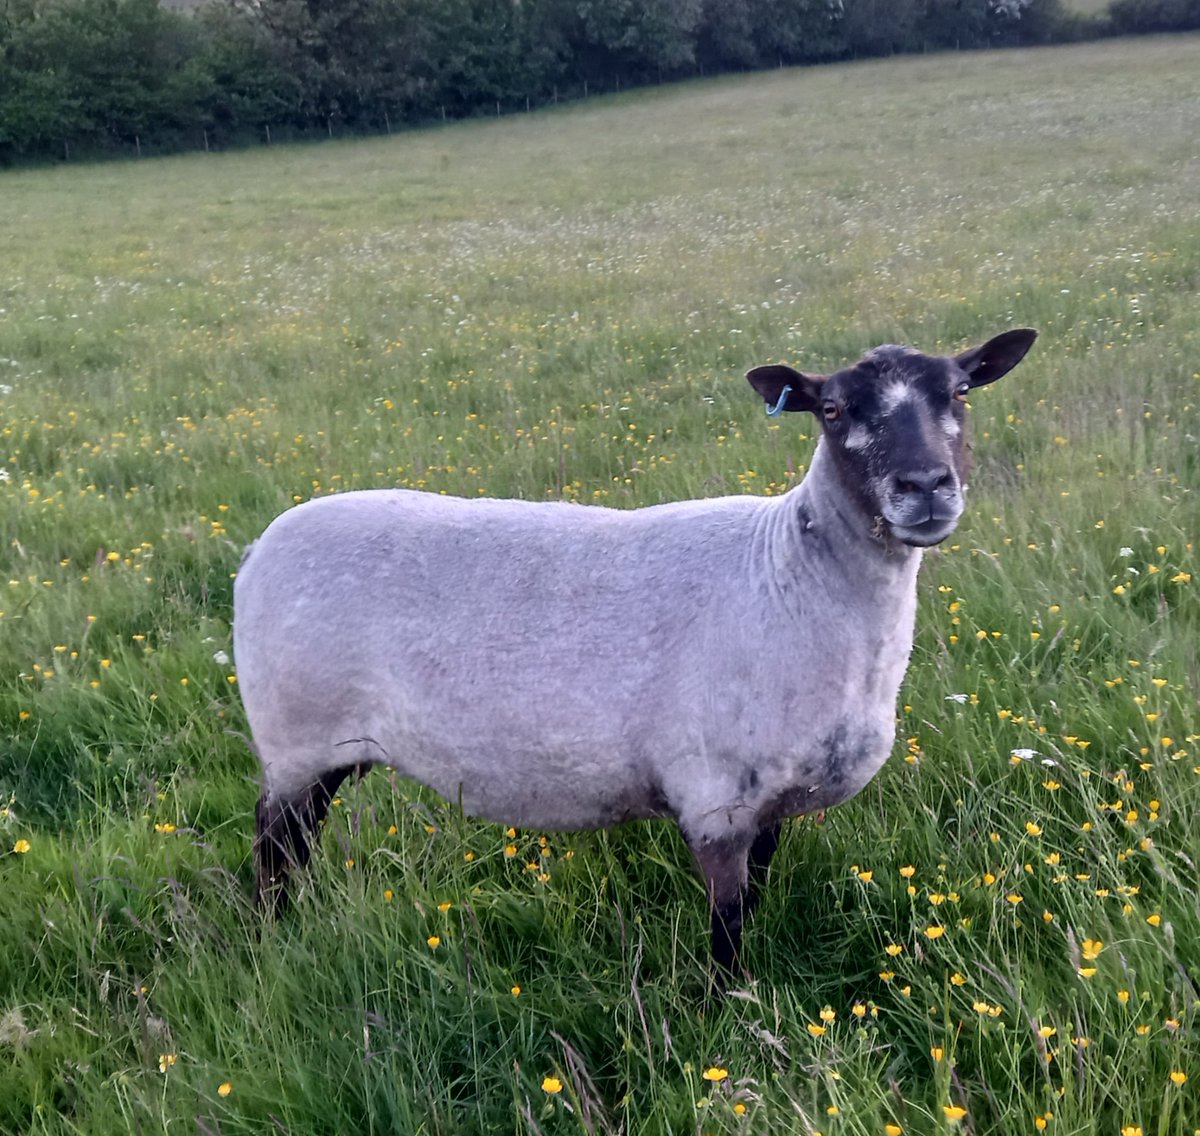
(951, 428)
(857, 438)
(880, 488)
(893, 395)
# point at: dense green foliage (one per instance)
(84, 76)
(1141, 16)
(1000, 935)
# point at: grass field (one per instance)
(1000, 935)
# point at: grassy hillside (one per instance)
(999, 935)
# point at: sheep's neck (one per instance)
(822, 529)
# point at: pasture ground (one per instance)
(999, 935)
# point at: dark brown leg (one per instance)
(734, 872)
(761, 852)
(724, 865)
(283, 829)
(279, 842)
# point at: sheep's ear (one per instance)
(988, 362)
(773, 380)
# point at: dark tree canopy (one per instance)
(89, 76)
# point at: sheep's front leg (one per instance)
(723, 863)
(761, 851)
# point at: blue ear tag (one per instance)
(773, 411)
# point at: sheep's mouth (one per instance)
(922, 520)
(924, 534)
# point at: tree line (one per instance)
(88, 76)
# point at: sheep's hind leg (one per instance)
(283, 831)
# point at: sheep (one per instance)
(725, 663)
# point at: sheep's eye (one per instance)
(961, 391)
(831, 411)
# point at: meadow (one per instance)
(1000, 935)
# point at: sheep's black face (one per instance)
(895, 426)
(895, 423)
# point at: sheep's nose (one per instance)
(924, 481)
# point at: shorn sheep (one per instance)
(726, 663)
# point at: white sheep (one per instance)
(726, 663)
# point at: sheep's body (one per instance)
(725, 663)
(558, 666)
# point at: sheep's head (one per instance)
(894, 427)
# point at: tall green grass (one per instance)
(561, 306)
